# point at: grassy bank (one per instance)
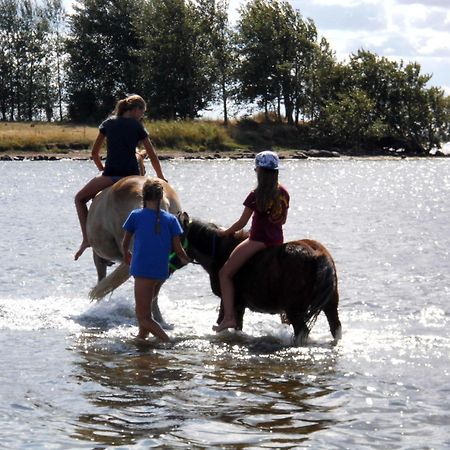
(176, 138)
(189, 136)
(25, 136)
(182, 136)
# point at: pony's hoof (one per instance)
(338, 334)
(300, 340)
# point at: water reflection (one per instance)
(203, 392)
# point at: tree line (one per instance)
(184, 56)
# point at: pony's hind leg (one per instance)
(100, 264)
(301, 337)
(301, 330)
(331, 312)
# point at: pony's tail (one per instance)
(110, 282)
(324, 289)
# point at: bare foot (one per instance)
(84, 245)
(230, 323)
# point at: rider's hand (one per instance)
(127, 258)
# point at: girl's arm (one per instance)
(239, 224)
(95, 153)
(126, 247)
(153, 157)
(179, 250)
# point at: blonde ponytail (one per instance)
(128, 104)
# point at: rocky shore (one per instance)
(84, 154)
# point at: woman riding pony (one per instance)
(123, 132)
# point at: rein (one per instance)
(173, 257)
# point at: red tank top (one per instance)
(267, 226)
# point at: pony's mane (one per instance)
(203, 234)
(210, 229)
(206, 238)
(205, 227)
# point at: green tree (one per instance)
(8, 25)
(401, 98)
(278, 50)
(54, 57)
(258, 58)
(438, 130)
(349, 120)
(102, 63)
(219, 40)
(175, 75)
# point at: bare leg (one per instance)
(244, 251)
(144, 292)
(140, 156)
(87, 193)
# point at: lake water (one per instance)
(72, 376)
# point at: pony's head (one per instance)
(204, 244)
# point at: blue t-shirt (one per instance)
(150, 250)
(122, 137)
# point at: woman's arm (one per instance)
(126, 247)
(239, 224)
(95, 153)
(179, 250)
(153, 157)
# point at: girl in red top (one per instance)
(268, 204)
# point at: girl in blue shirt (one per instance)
(155, 233)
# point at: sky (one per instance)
(408, 30)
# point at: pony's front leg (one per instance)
(156, 312)
(221, 313)
(239, 314)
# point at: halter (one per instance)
(173, 257)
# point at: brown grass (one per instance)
(186, 136)
(41, 136)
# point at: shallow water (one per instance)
(72, 376)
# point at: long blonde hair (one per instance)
(153, 190)
(267, 190)
(129, 103)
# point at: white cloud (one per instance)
(398, 29)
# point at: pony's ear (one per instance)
(183, 218)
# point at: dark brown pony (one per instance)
(297, 278)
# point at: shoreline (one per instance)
(85, 154)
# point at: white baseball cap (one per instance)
(267, 160)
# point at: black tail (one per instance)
(323, 291)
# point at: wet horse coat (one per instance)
(297, 278)
(107, 213)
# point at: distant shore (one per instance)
(201, 140)
(85, 154)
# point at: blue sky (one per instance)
(408, 30)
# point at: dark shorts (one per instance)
(115, 178)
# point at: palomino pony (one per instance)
(107, 213)
(297, 278)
